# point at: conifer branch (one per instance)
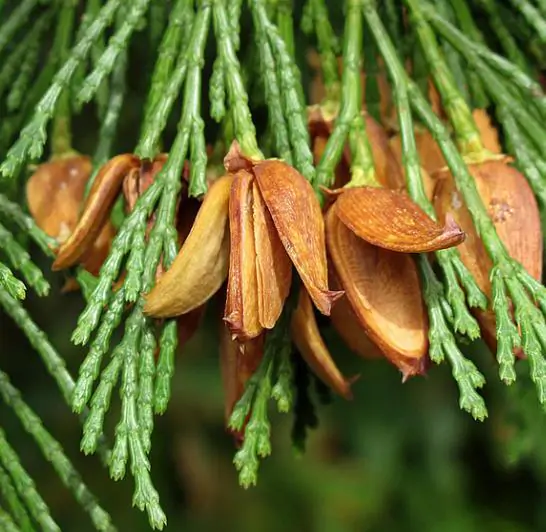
(27, 68)
(33, 136)
(444, 315)
(116, 45)
(13, 501)
(25, 486)
(15, 21)
(509, 44)
(53, 452)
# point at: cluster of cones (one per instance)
(262, 218)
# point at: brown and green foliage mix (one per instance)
(226, 202)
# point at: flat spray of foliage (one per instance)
(215, 65)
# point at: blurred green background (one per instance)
(399, 457)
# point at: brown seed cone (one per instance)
(260, 270)
(513, 208)
(307, 338)
(318, 92)
(238, 362)
(430, 155)
(391, 220)
(388, 170)
(139, 179)
(385, 294)
(241, 313)
(273, 265)
(96, 210)
(298, 219)
(345, 322)
(201, 265)
(54, 196)
(488, 133)
(342, 171)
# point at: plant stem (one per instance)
(11, 284)
(328, 48)
(54, 363)
(373, 89)
(17, 19)
(505, 38)
(25, 486)
(6, 522)
(452, 57)
(466, 22)
(33, 136)
(440, 310)
(244, 129)
(169, 50)
(419, 66)
(109, 124)
(156, 121)
(14, 502)
(542, 7)
(117, 43)
(510, 281)
(473, 52)
(393, 24)
(347, 122)
(533, 17)
(292, 98)
(277, 122)
(15, 214)
(52, 451)
(466, 132)
(61, 136)
(27, 69)
(20, 260)
(12, 63)
(285, 24)
(528, 159)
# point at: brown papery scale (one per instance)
(391, 220)
(488, 132)
(307, 338)
(385, 294)
(55, 194)
(431, 158)
(241, 313)
(430, 155)
(297, 217)
(317, 90)
(512, 207)
(201, 265)
(96, 210)
(139, 179)
(347, 325)
(260, 270)
(388, 171)
(238, 362)
(273, 265)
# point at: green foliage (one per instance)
(246, 56)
